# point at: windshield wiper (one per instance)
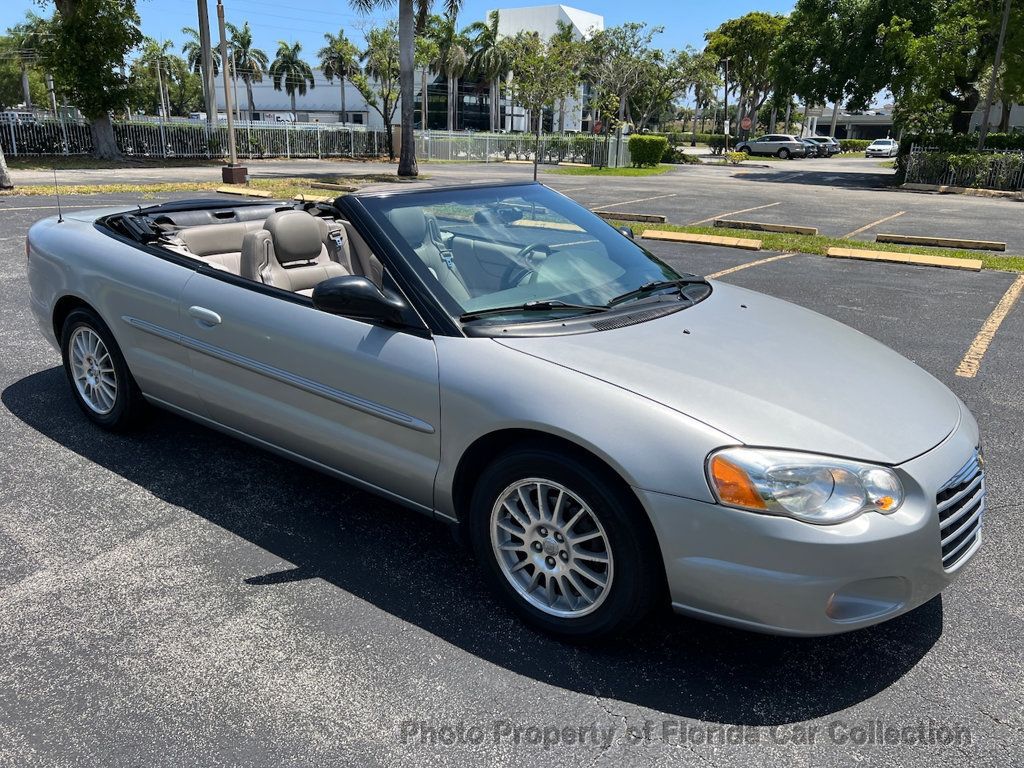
(654, 285)
(531, 306)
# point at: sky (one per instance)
(685, 21)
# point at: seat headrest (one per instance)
(411, 224)
(295, 234)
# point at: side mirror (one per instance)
(357, 297)
(625, 232)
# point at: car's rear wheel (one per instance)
(784, 154)
(568, 549)
(100, 381)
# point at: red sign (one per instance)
(745, 123)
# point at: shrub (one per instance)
(987, 170)
(677, 155)
(962, 142)
(854, 145)
(736, 157)
(647, 150)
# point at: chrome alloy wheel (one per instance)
(551, 547)
(93, 370)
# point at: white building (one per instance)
(322, 102)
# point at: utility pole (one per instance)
(983, 131)
(209, 84)
(232, 173)
(725, 99)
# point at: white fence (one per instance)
(255, 140)
(501, 147)
(170, 139)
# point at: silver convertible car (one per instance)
(607, 434)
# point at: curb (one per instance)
(942, 242)
(686, 237)
(943, 189)
(243, 191)
(789, 229)
(329, 185)
(651, 218)
(971, 265)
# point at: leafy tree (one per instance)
(666, 77)
(290, 70)
(749, 43)
(426, 55)
(24, 41)
(544, 73)
(193, 52)
(248, 61)
(618, 61)
(489, 58)
(84, 47)
(13, 77)
(338, 59)
(153, 59)
(705, 81)
(378, 82)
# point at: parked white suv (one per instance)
(780, 145)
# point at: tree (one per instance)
(749, 43)
(937, 54)
(378, 83)
(452, 59)
(289, 69)
(489, 59)
(666, 77)
(425, 56)
(193, 52)
(248, 61)
(24, 41)
(618, 61)
(154, 60)
(12, 76)
(85, 47)
(544, 73)
(705, 81)
(338, 59)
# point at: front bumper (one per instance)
(781, 576)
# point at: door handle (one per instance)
(204, 316)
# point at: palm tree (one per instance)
(452, 60)
(338, 60)
(409, 13)
(248, 62)
(154, 57)
(289, 68)
(490, 58)
(24, 39)
(425, 57)
(193, 52)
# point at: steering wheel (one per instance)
(515, 273)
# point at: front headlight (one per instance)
(811, 488)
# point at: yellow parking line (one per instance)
(769, 260)
(731, 213)
(969, 366)
(873, 224)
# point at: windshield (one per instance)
(507, 247)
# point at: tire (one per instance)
(97, 373)
(607, 522)
(745, 150)
(783, 154)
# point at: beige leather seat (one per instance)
(219, 245)
(289, 253)
(416, 228)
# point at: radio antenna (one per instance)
(56, 190)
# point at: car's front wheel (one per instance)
(570, 550)
(100, 381)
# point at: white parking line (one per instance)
(731, 213)
(737, 268)
(971, 363)
(873, 224)
(628, 202)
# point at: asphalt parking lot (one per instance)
(177, 597)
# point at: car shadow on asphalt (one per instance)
(823, 178)
(413, 569)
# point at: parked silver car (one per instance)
(780, 145)
(828, 143)
(606, 432)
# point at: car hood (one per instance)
(770, 373)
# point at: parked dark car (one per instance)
(814, 148)
(830, 144)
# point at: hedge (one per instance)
(984, 170)
(962, 142)
(854, 145)
(678, 156)
(647, 150)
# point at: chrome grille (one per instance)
(961, 505)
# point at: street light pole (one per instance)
(983, 130)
